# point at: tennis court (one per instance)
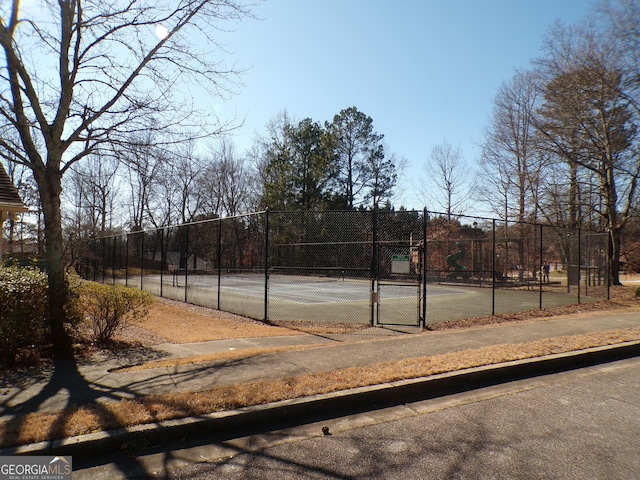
(372, 268)
(337, 300)
(302, 289)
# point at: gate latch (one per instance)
(374, 297)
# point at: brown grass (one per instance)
(74, 421)
(184, 323)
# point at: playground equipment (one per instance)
(452, 260)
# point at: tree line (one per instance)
(561, 146)
(295, 165)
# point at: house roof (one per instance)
(10, 200)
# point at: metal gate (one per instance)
(400, 296)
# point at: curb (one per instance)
(288, 413)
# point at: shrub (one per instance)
(637, 291)
(23, 310)
(107, 307)
(73, 309)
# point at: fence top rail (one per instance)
(429, 213)
(199, 222)
(299, 244)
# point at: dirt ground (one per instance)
(177, 322)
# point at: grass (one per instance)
(78, 420)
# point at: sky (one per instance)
(425, 71)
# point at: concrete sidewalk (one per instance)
(72, 384)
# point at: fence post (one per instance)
(374, 265)
(95, 262)
(141, 259)
(113, 262)
(103, 240)
(186, 261)
(540, 270)
(588, 266)
(609, 256)
(424, 268)
(161, 260)
(493, 271)
(579, 259)
(266, 266)
(219, 254)
(126, 262)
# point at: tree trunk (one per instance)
(611, 205)
(614, 255)
(50, 189)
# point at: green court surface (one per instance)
(334, 300)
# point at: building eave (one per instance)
(13, 207)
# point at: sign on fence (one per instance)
(400, 264)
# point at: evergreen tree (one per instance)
(300, 170)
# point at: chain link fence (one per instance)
(377, 268)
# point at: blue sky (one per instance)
(425, 71)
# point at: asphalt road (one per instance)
(582, 424)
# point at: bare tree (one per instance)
(179, 185)
(623, 22)
(91, 196)
(84, 74)
(494, 184)
(142, 168)
(509, 160)
(449, 172)
(229, 181)
(587, 119)
(94, 190)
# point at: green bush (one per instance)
(637, 291)
(107, 307)
(23, 310)
(73, 310)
